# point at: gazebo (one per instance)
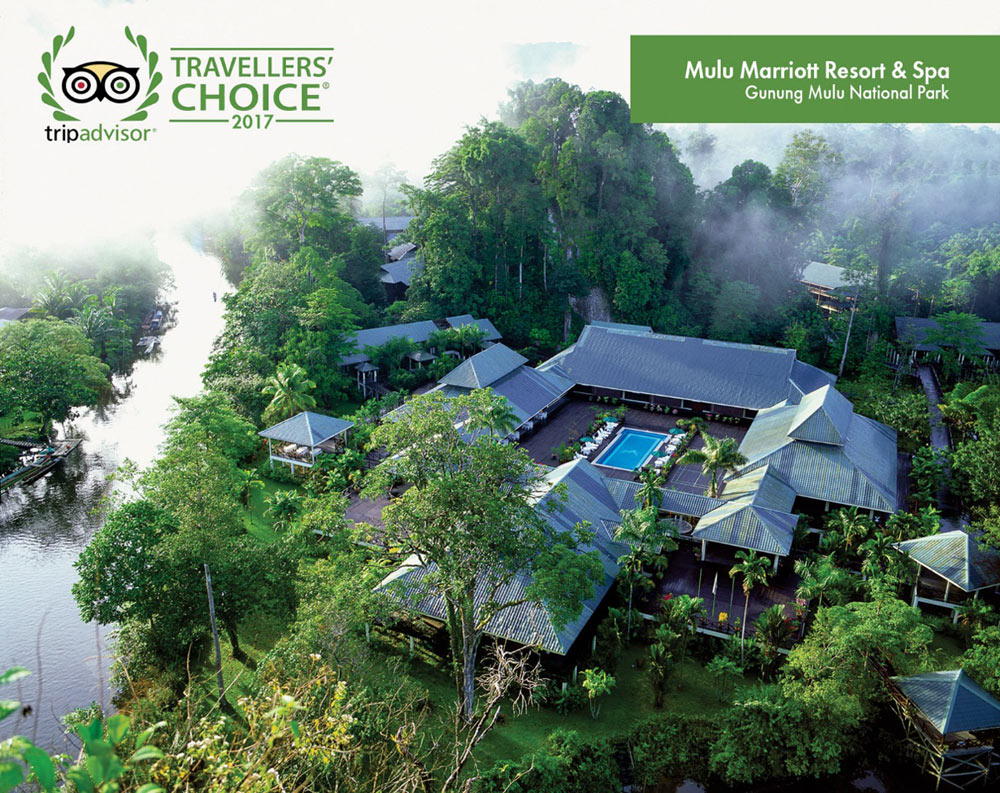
(420, 357)
(958, 564)
(951, 723)
(299, 440)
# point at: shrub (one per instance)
(671, 745)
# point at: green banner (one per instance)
(811, 79)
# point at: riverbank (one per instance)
(45, 525)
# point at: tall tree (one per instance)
(48, 367)
(297, 194)
(472, 519)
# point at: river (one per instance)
(45, 525)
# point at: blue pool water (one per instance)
(630, 449)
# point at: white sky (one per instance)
(407, 76)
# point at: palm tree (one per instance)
(469, 337)
(716, 456)
(879, 555)
(53, 298)
(683, 613)
(852, 526)
(496, 415)
(289, 391)
(249, 481)
(647, 538)
(283, 507)
(754, 570)
(650, 492)
(389, 356)
(820, 577)
(94, 320)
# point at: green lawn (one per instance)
(256, 519)
(630, 701)
(258, 634)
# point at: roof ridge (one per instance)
(951, 700)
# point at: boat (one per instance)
(148, 343)
(39, 461)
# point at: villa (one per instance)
(912, 332)
(952, 567)
(360, 365)
(829, 285)
(631, 363)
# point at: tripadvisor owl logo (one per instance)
(73, 88)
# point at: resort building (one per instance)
(531, 393)
(299, 440)
(402, 261)
(829, 285)
(952, 566)
(826, 453)
(911, 332)
(632, 363)
(806, 451)
(587, 499)
(359, 363)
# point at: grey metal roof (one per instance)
(375, 337)
(700, 370)
(678, 502)
(484, 368)
(12, 314)
(828, 276)
(402, 271)
(951, 700)
(822, 416)
(913, 330)
(957, 557)
(492, 334)
(307, 429)
(397, 252)
(586, 499)
(393, 223)
(806, 378)
(764, 486)
(744, 524)
(861, 472)
(418, 332)
(622, 326)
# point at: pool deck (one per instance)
(573, 420)
(615, 447)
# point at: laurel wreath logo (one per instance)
(45, 78)
(150, 57)
(155, 76)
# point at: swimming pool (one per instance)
(630, 449)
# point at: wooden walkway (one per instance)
(948, 506)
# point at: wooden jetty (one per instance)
(39, 461)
